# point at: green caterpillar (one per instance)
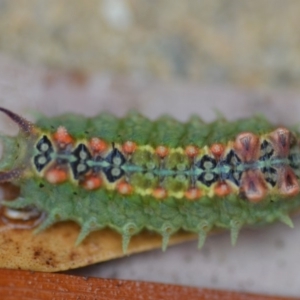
(132, 173)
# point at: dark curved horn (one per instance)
(23, 124)
(10, 175)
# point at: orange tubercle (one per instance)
(129, 147)
(193, 193)
(124, 188)
(288, 182)
(62, 136)
(56, 175)
(222, 189)
(159, 193)
(92, 182)
(191, 151)
(281, 138)
(253, 186)
(98, 145)
(162, 151)
(247, 146)
(217, 150)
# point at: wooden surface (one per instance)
(55, 250)
(15, 284)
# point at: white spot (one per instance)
(83, 154)
(42, 160)
(117, 161)
(115, 172)
(61, 130)
(44, 147)
(15, 214)
(81, 168)
(208, 177)
(236, 175)
(208, 165)
(117, 14)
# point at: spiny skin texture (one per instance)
(131, 173)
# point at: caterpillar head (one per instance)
(17, 149)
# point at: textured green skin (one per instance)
(164, 131)
(128, 215)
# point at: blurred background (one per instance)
(248, 43)
(177, 57)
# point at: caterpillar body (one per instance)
(132, 174)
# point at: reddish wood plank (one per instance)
(25, 285)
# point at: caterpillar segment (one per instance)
(132, 174)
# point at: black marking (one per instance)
(112, 175)
(208, 182)
(233, 175)
(41, 165)
(44, 141)
(206, 161)
(294, 161)
(115, 155)
(231, 159)
(115, 159)
(207, 164)
(271, 175)
(268, 149)
(45, 149)
(79, 166)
